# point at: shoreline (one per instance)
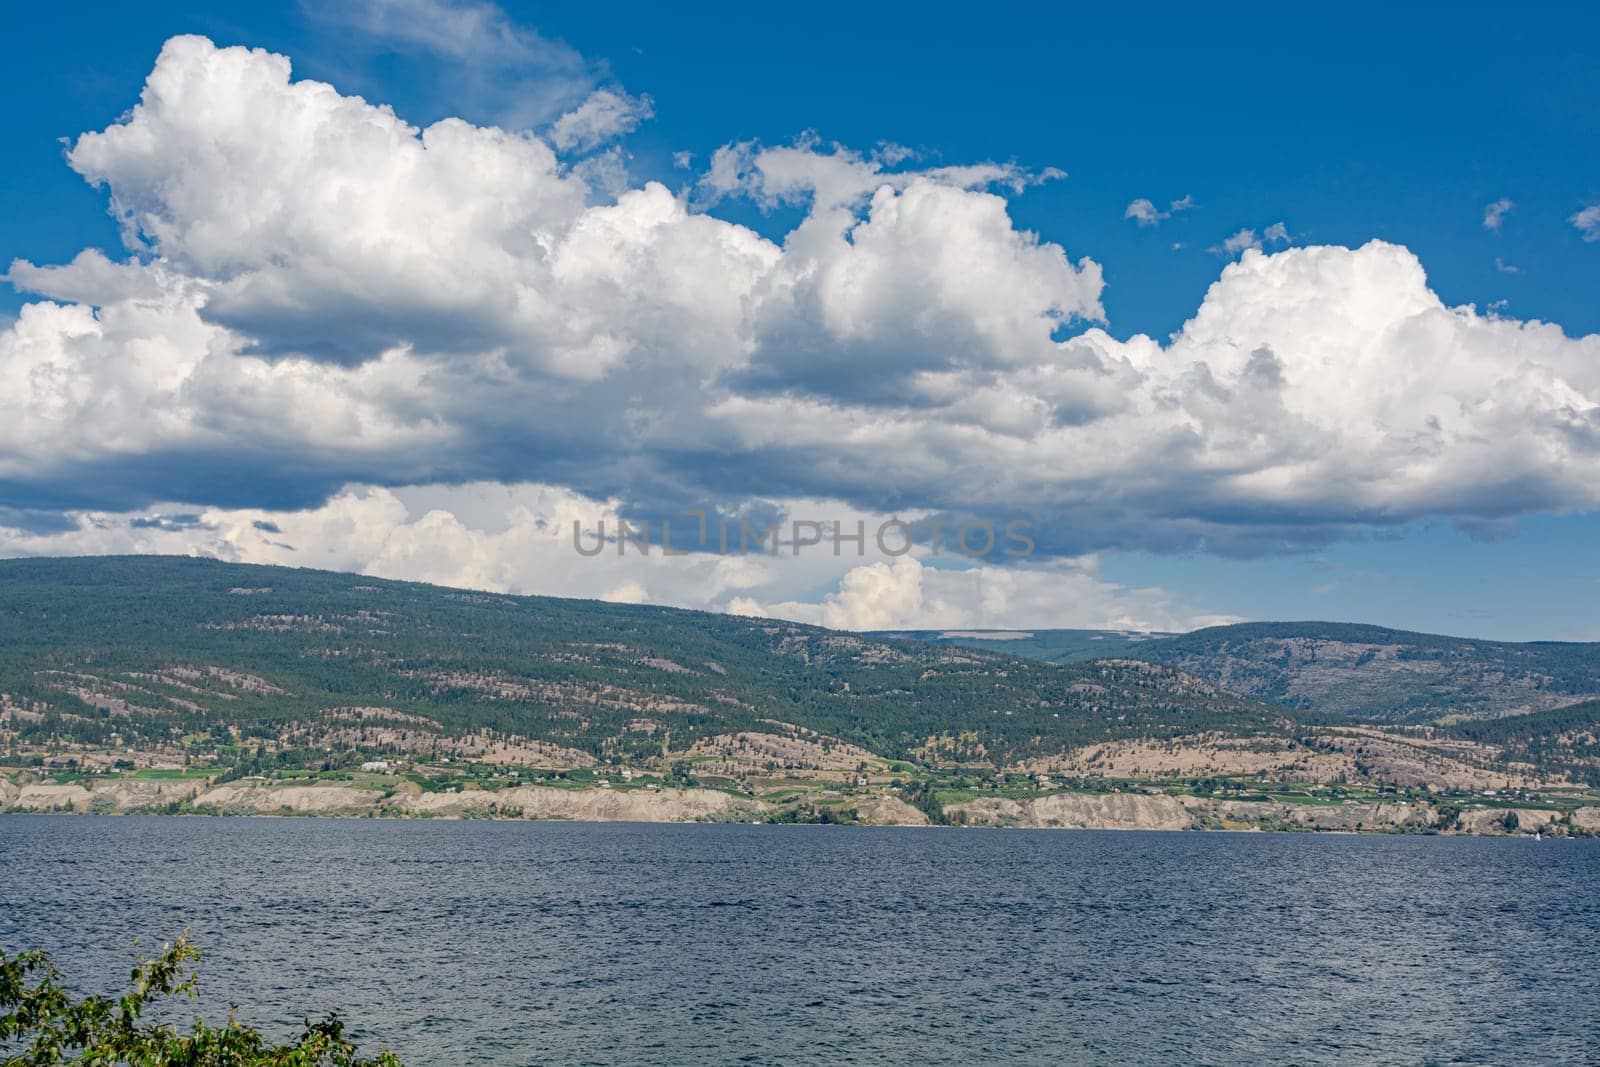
(1217, 830)
(1062, 810)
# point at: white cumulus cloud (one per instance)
(519, 539)
(606, 114)
(318, 294)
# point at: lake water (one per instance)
(522, 943)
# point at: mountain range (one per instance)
(215, 660)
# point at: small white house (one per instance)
(377, 766)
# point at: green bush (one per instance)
(42, 1024)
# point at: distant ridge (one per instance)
(1355, 670)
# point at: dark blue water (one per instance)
(521, 943)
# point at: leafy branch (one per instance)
(42, 1024)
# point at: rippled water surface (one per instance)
(521, 943)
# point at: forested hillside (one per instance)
(1342, 670)
(155, 649)
(1565, 740)
(1382, 675)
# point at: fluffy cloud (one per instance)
(1587, 222)
(908, 594)
(321, 295)
(1145, 212)
(1246, 240)
(489, 67)
(1314, 390)
(519, 539)
(1495, 213)
(319, 224)
(832, 177)
(933, 285)
(606, 114)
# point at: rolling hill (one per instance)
(1343, 670)
(160, 650)
(1564, 740)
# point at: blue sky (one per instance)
(1347, 122)
(1342, 123)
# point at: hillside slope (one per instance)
(1382, 675)
(1365, 673)
(155, 649)
(1563, 740)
